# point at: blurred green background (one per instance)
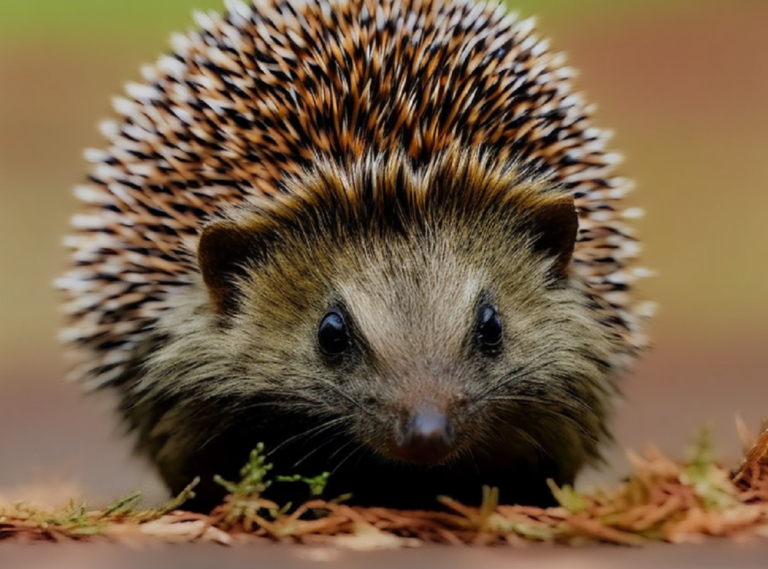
(683, 83)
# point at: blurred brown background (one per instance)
(683, 83)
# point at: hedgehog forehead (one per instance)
(409, 250)
(408, 300)
(384, 194)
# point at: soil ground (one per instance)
(709, 556)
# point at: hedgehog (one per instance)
(381, 237)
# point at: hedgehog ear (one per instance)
(555, 226)
(224, 249)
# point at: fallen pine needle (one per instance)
(662, 500)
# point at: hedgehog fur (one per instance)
(259, 101)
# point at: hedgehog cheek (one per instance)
(224, 250)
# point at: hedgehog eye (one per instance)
(490, 331)
(332, 335)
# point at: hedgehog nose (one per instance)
(428, 437)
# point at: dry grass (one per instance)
(662, 500)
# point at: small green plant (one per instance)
(253, 476)
(124, 505)
(76, 519)
(701, 472)
(246, 508)
(316, 484)
(569, 498)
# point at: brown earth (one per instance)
(709, 556)
(86, 556)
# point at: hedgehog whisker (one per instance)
(346, 396)
(358, 448)
(341, 448)
(488, 439)
(530, 439)
(543, 408)
(311, 433)
(514, 373)
(474, 460)
(313, 451)
(568, 398)
(568, 405)
(302, 394)
(517, 374)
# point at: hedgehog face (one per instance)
(454, 351)
(434, 323)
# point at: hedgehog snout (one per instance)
(427, 425)
(427, 435)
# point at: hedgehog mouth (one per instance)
(427, 457)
